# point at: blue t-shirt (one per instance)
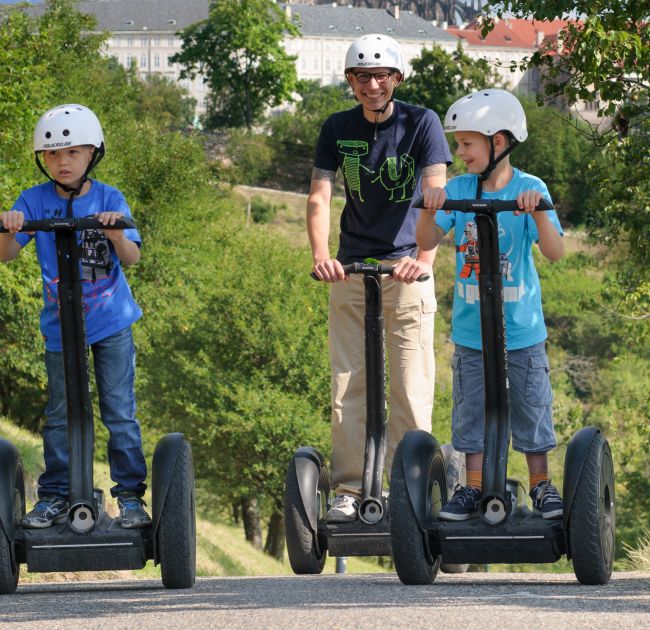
(521, 289)
(108, 304)
(382, 176)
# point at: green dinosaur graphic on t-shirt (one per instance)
(394, 177)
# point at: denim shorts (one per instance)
(531, 400)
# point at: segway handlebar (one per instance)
(72, 223)
(484, 206)
(370, 269)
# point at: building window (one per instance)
(170, 41)
(156, 61)
(143, 61)
(143, 41)
(316, 65)
(129, 41)
(129, 59)
(328, 65)
(156, 41)
(170, 63)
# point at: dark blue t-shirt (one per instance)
(382, 176)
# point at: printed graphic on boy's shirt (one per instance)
(352, 150)
(470, 250)
(398, 176)
(96, 260)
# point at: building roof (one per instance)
(142, 15)
(348, 21)
(511, 33)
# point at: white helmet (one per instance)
(67, 126)
(374, 51)
(488, 112)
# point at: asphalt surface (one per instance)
(477, 600)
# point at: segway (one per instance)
(307, 492)
(90, 540)
(506, 531)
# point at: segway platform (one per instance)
(108, 547)
(359, 538)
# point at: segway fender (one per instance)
(574, 459)
(162, 469)
(9, 459)
(418, 447)
(304, 462)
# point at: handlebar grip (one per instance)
(42, 225)
(91, 223)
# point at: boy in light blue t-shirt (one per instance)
(487, 126)
(70, 141)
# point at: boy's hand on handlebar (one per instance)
(433, 199)
(12, 220)
(528, 201)
(109, 218)
(329, 270)
(408, 270)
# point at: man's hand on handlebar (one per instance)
(408, 270)
(329, 270)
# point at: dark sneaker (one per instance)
(345, 509)
(132, 512)
(547, 502)
(462, 505)
(47, 511)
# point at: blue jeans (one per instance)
(114, 359)
(531, 400)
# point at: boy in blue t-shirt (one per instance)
(71, 142)
(488, 125)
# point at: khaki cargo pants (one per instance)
(409, 312)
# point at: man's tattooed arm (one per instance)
(321, 173)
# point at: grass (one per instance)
(638, 559)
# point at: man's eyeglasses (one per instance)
(364, 77)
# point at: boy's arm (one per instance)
(9, 247)
(318, 226)
(428, 233)
(550, 242)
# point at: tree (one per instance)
(238, 50)
(604, 58)
(440, 78)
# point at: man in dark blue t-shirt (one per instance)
(388, 151)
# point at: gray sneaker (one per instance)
(132, 512)
(345, 509)
(48, 510)
(547, 502)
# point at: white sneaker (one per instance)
(344, 509)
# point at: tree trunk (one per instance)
(275, 537)
(251, 518)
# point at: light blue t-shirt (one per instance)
(521, 289)
(108, 303)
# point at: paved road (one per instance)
(493, 600)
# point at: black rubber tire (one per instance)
(456, 474)
(592, 521)
(306, 550)
(413, 562)
(9, 569)
(177, 528)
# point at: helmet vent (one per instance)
(454, 117)
(66, 132)
(48, 135)
(360, 55)
(377, 55)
